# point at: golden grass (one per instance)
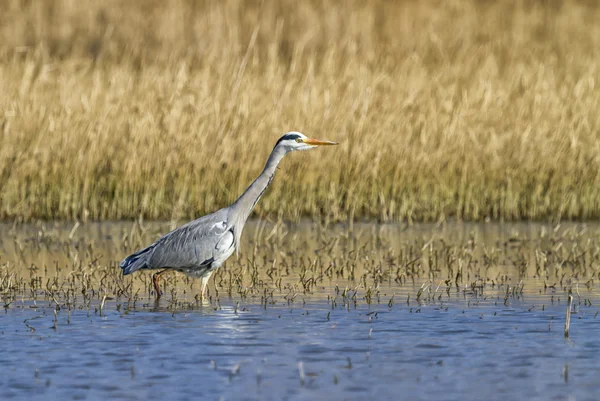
(168, 109)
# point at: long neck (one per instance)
(244, 205)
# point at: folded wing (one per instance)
(194, 245)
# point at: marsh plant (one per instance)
(167, 109)
(368, 267)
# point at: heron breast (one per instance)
(224, 249)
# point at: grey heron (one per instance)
(201, 246)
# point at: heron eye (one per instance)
(298, 140)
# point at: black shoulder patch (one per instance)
(207, 262)
(286, 137)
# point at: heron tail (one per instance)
(137, 261)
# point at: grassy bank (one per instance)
(169, 109)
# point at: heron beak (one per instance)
(317, 142)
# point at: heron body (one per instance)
(201, 246)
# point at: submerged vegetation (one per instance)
(372, 265)
(168, 109)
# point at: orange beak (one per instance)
(317, 142)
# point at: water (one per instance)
(460, 312)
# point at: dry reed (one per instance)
(384, 268)
(168, 109)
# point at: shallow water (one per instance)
(461, 311)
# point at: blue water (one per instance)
(488, 351)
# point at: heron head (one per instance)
(297, 141)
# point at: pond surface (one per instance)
(306, 312)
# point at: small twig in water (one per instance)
(301, 372)
(102, 304)
(568, 319)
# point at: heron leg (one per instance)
(204, 284)
(155, 279)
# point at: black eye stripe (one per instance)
(286, 137)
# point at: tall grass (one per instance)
(168, 109)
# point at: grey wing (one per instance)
(194, 245)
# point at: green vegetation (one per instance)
(168, 109)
